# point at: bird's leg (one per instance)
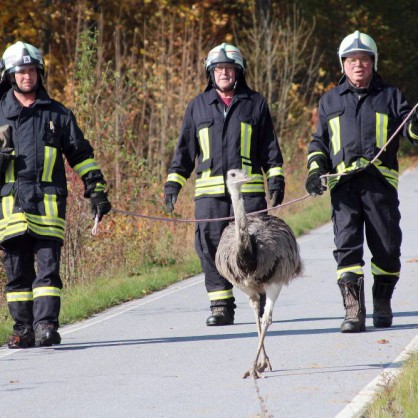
(259, 366)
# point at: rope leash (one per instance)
(229, 218)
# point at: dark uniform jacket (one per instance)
(354, 125)
(33, 188)
(242, 138)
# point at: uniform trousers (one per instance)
(366, 205)
(33, 295)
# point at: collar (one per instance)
(212, 95)
(11, 106)
(376, 83)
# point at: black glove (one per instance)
(317, 167)
(5, 157)
(169, 200)
(277, 194)
(100, 204)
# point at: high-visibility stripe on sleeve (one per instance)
(177, 178)
(86, 166)
(275, 171)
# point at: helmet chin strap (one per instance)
(16, 88)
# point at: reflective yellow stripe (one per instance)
(7, 203)
(379, 271)
(252, 188)
(49, 162)
(49, 231)
(220, 294)
(100, 187)
(275, 171)
(381, 129)
(334, 123)
(50, 203)
(9, 175)
(177, 178)
(204, 143)
(46, 291)
(46, 220)
(19, 296)
(246, 134)
(86, 166)
(411, 134)
(352, 269)
(46, 225)
(12, 225)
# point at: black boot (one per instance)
(46, 334)
(382, 293)
(22, 338)
(352, 290)
(221, 315)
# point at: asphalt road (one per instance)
(155, 357)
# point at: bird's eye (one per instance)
(233, 174)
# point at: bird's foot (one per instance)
(254, 373)
(264, 363)
(262, 366)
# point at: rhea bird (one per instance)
(259, 255)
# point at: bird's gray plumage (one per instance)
(258, 254)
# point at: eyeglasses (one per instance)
(227, 68)
(363, 61)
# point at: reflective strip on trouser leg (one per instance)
(350, 269)
(220, 295)
(20, 306)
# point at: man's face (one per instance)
(27, 79)
(358, 67)
(225, 76)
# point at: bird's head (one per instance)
(236, 178)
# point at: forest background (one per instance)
(128, 69)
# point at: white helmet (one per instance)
(224, 54)
(357, 42)
(19, 55)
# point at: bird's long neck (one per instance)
(241, 222)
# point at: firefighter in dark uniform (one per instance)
(36, 132)
(227, 126)
(356, 119)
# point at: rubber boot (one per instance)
(221, 315)
(22, 338)
(383, 288)
(352, 291)
(46, 334)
